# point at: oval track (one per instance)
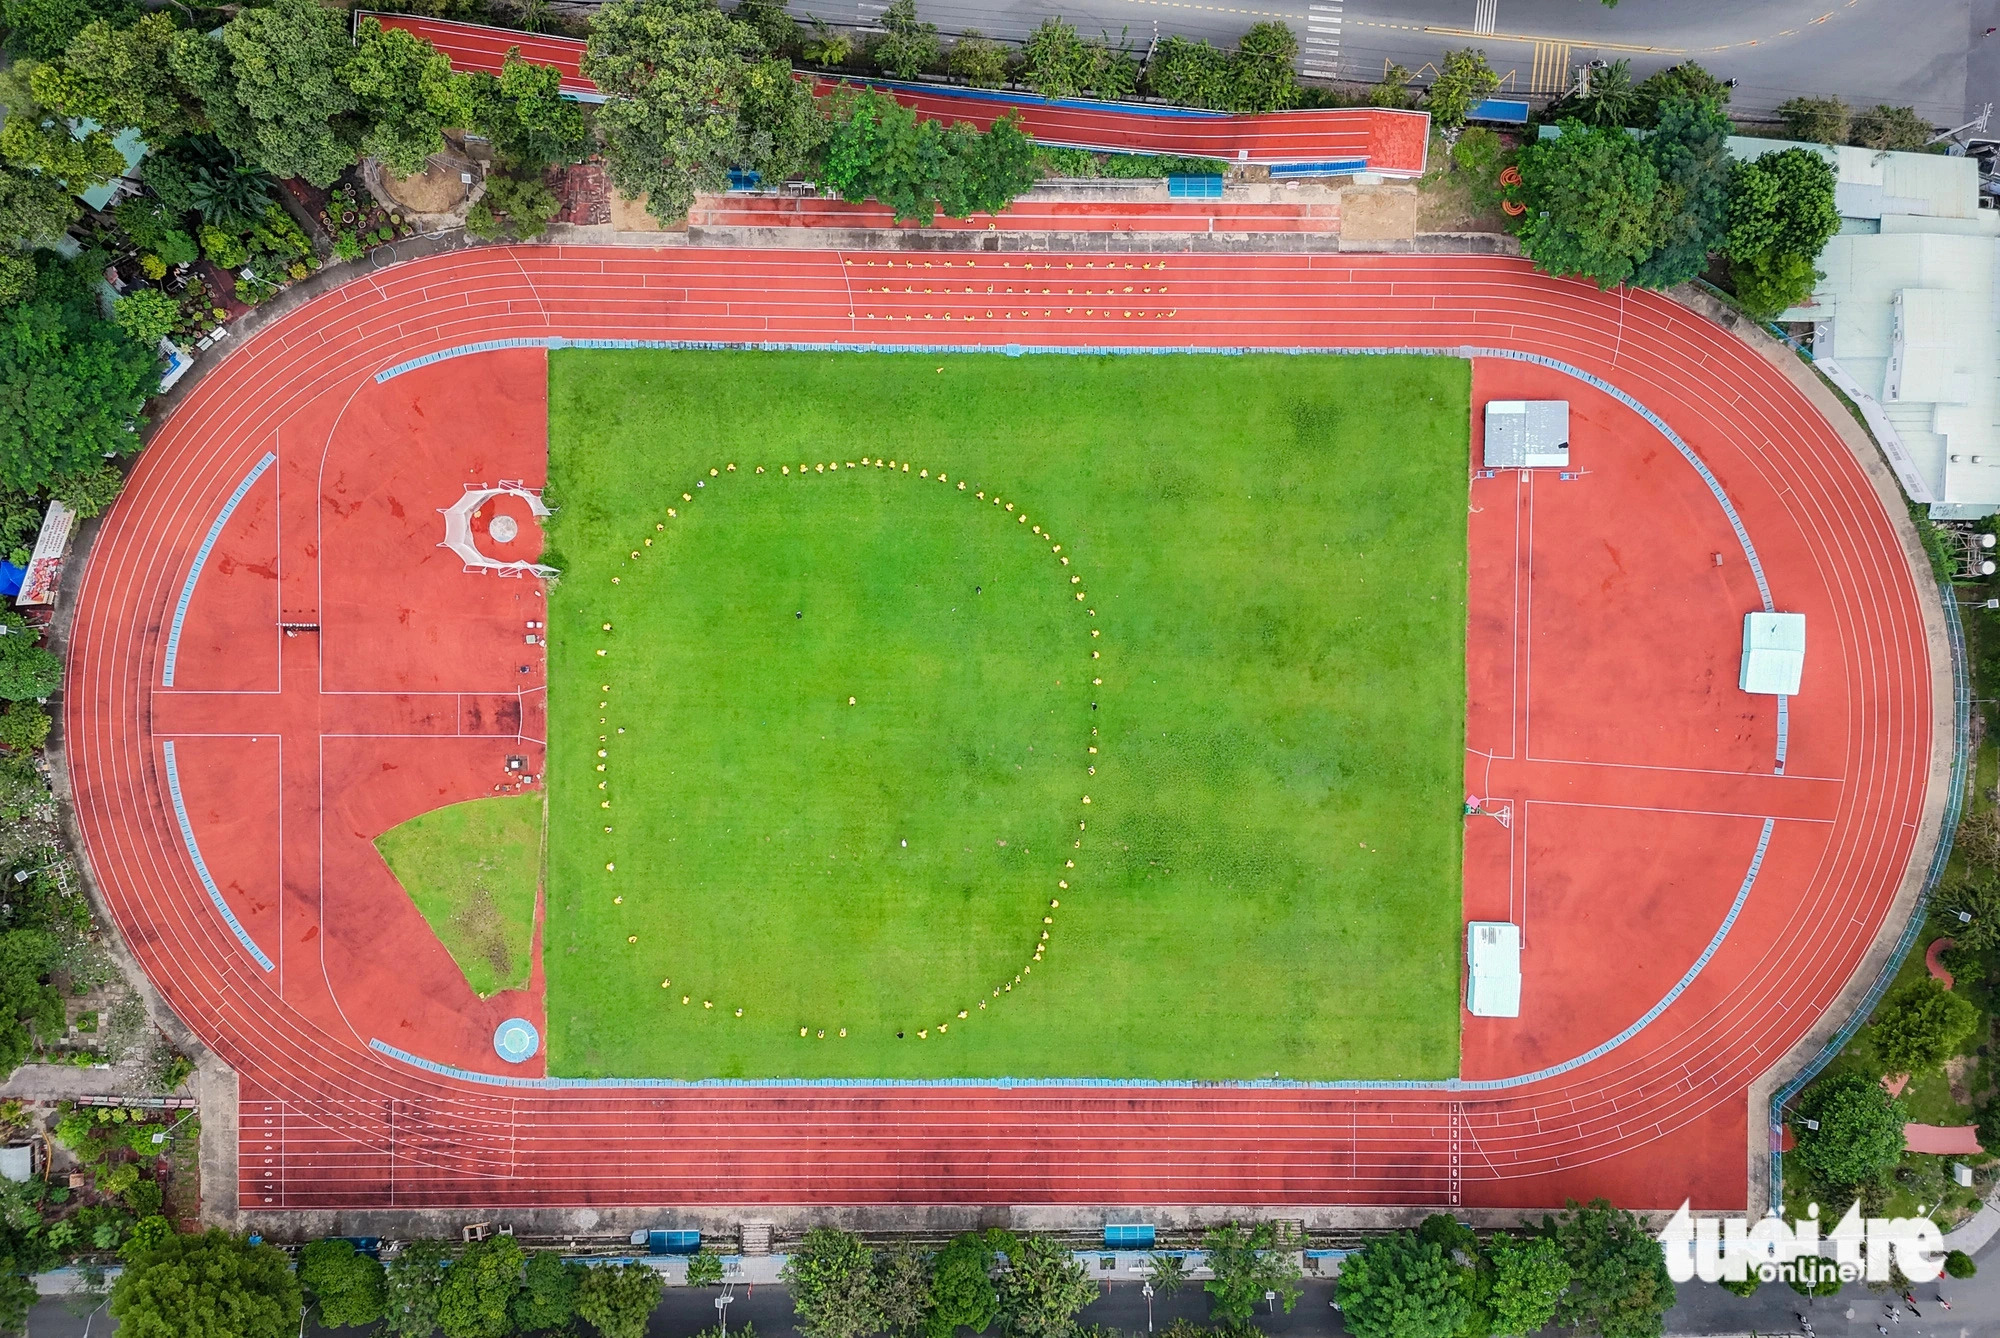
(326, 1123)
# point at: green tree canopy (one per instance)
(547, 1300)
(1819, 120)
(1613, 99)
(618, 1300)
(1529, 1277)
(414, 1280)
(479, 1288)
(34, 208)
(1619, 1286)
(71, 383)
(27, 956)
(408, 95)
(1917, 1026)
(1690, 152)
(979, 60)
(672, 71)
(1043, 1289)
(1245, 1264)
(903, 1290)
(1782, 203)
(1978, 897)
(1464, 80)
(1685, 80)
(1884, 127)
(878, 149)
(1261, 77)
(909, 46)
(832, 1277)
(288, 65)
(41, 29)
(345, 1283)
(214, 1285)
(523, 112)
(120, 77)
(962, 1291)
(1401, 1287)
(1591, 195)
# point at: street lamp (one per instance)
(722, 1311)
(1146, 1290)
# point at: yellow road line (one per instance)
(1551, 68)
(1585, 42)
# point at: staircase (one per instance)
(756, 1237)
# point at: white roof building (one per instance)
(1907, 320)
(1774, 653)
(1493, 980)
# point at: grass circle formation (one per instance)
(893, 672)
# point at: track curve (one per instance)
(325, 1122)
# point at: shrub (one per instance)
(978, 60)
(1958, 1264)
(1860, 1132)
(1820, 120)
(24, 727)
(1918, 1026)
(148, 315)
(226, 249)
(1464, 81)
(826, 47)
(704, 1270)
(910, 46)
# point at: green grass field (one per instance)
(472, 870)
(844, 719)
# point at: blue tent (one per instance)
(11, 577)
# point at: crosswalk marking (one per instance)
(1321, 57)
(1551, 70)
(1486, 16)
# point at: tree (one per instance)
(1782, 202)
(1529, 1277)
(1619, 1286)
(1042, 1289)
(41, 29)
(120, 77)
(207, 1286)
(1168, 1273)
(1769, 283)
(879, 150)
(512, 206)
(346, 1283)
(146, 314)
(1245, 1265)
(962, 1291)
(832, 1277)
(547, 1300)
(1260, 73)
(704, 1270)
(1884, 127)
(774, 26)
(903, 1290)
(408, 95)
(288, 65)
(523, 112)
(34, 208)
(1690, 152)
(1919, 1025)
(27, 956)
(616, 1300)
(1464, 81)
(479, 1288)
(1055, 62)
(26, 670)
(1979, 898)
(782, 125)
(24, 727)
(1820, 120)
(1958, 1264)
(71, 383)
(1393, 90)
(978, 60)
(413, 1280)
(1591, 196)
(909, 46)
(672, 71)
(1400, 1287)
(1860, 1132)
(1612, 99)
(1191, 73)
(1685, 80)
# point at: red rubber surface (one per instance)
(1391, 141)
(1601, 653)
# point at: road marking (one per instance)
(1486, 16)
(1214, 9)
(1551, 72)
(1587, 44)
(1321, 58)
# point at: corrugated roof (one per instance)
(1871, 183)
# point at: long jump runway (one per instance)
(272, 662)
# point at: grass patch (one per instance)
(1274, 550)
(472, 869)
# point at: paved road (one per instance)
(1929, 54)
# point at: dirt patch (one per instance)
(439, 189)
(631, 216)
(482, 931)
(1446, 203)
(1378, 213)
(1961, 1071)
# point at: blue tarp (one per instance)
(1507, 111)
(11, 577)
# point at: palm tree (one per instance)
(1167, 1272)
(1612, 98)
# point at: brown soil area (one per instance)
(1378, 215)
(435, 190)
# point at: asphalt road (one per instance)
(1930, 54)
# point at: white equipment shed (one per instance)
(1774, 653)
(1493, 978)
(1527, 434)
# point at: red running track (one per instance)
(1672, 775)
(1373, 139)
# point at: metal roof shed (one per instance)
(1493, 982)
(1774, 653)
